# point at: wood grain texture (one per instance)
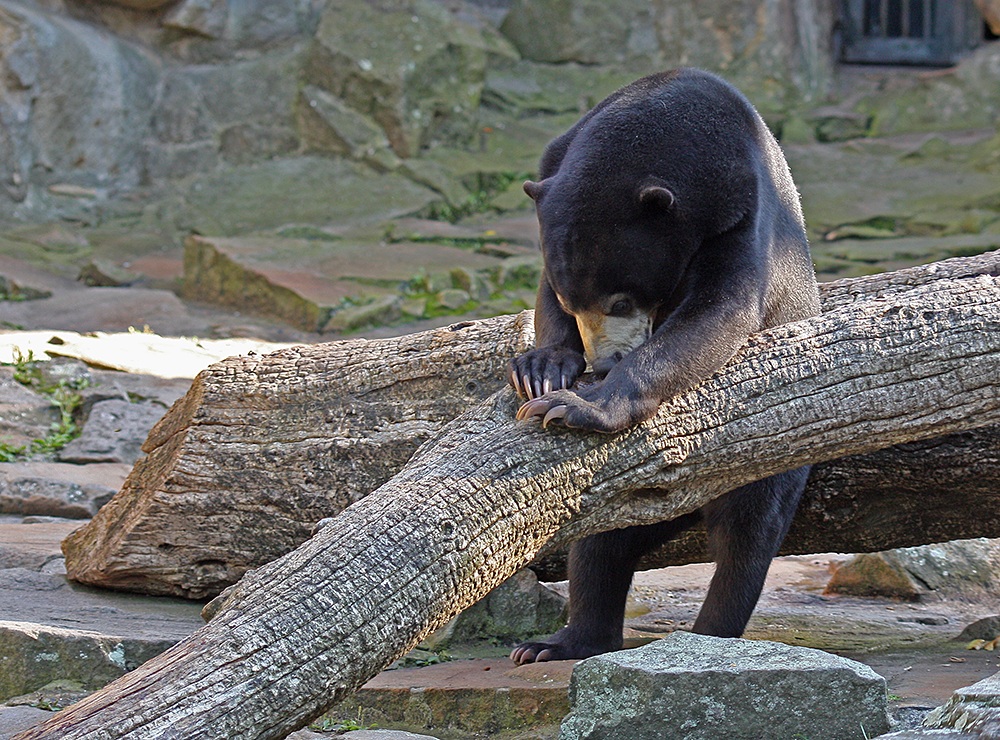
(262, 448)
(484, 495)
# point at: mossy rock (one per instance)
(300, 190)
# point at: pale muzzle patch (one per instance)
(607, 339)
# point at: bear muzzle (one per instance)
(607, 339)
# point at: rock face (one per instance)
(409, 65)
(786, 43)
(107, 97)
(695, 687)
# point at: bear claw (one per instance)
(553, 414)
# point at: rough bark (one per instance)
(262, 448)
(482, 498)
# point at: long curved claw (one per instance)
(534, 407)
(546, 386)
(514, 382)
(553, 414)
(526, 384)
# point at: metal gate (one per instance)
(932, 32)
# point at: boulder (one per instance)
(693, 686)
(518, 609)
(961, 567)
(409, 65)
(24, 414)
(987, 628)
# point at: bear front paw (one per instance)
(591, 409)
(539, 371)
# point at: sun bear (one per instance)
(671, 231)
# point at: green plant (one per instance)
(480, 200)
(422, 658)
(49, 705)
(340, 726)
(63, 394)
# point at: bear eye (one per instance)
(621, 307)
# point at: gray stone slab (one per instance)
(104, 309)
(113, 432)
(699, 687)
(59, 489)
(34, 545)
(53, 629)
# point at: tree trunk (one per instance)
(486, 494)
(261, 448)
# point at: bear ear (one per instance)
(656, 195)
(533, 189)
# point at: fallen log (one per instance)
(482, 498)
(262, 448)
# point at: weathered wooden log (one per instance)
(481, 499)
(262, 448)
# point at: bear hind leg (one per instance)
(600, 573)
(745, 529)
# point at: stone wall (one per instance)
(99, 98)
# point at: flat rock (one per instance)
(56, 630)
(480, 696)
(33, 545)
(314, 190)
(301, 280)
(15, 719)
(694, 686)
(58, 489)
(103, 309)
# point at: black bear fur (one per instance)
(671, 231)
